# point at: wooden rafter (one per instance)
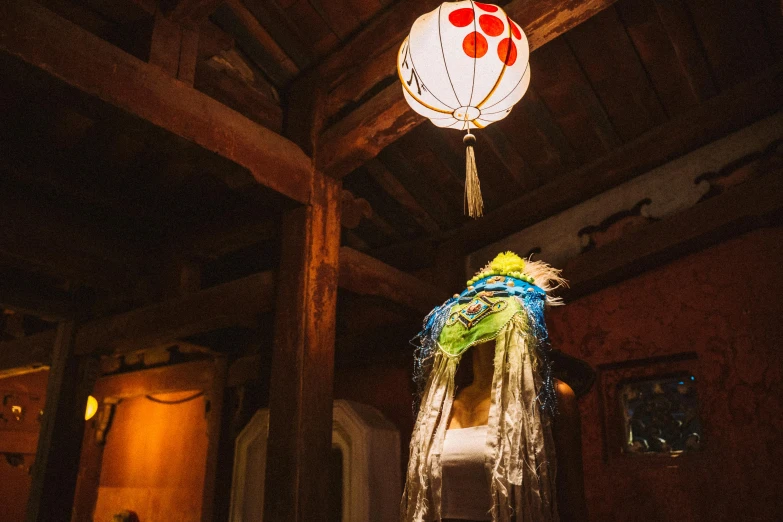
(354, 72)
(365, 275)
(237, 303)
(729, 111)
(103, 75)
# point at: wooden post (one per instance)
(214, 398)
(300, 401)
(59, 444)
(91, 462)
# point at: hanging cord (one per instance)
(178, 401)
(474, 204)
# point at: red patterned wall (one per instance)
(726, 305)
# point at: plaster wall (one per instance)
(724, 304)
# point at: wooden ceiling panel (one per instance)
(386, 201)
(657, 52)
(567, 93)
(612, 66)
(532, 131)
(426, 192)
(341, 17)
(735, 37)
(773, 17)
(391, 187)
(312, 28)
(434, 173)
(272, 16)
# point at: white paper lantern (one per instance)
(464, 65)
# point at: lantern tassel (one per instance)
(474, 204)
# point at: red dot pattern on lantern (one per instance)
(461, 17)
(507, 51)
(492, 25)
(475, 45)
(487, 7)
(515, 30)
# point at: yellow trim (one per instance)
(405, 84)
(502, 71)
(477, 124)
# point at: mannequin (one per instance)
(489, 450)
(471, 409)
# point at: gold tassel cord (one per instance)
(474, 204)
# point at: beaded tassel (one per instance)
(474, 204)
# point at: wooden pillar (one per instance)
(300, 399)
(91, 462)
(214, 398)
(59, 444)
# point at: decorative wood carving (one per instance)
(664, 191)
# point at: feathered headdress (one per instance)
(504, 302)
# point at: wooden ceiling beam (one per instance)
(755, 203)
(281, 67)
(729, 111)
(239, 302)
(191, 13)
(365, 275)
(56, 241)
(368, 60)
(104, 77)
(28, 298)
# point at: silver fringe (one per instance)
(520, 459)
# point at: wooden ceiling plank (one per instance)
(311, 27)
(384, 32)
(735, 38)
(678, 24)
(727, 112)
(568, 95)
(277, 56)
(274, 19)
(531, 130)
(69, 54)
(340, 16)
(26, 298)
(388, 182)
(773, 16)
(616, 74)
(61, 243)
(383, 203)
(122, 11)
(660, 55)
(427, 194)
(516, 168)
(192, 13)
(234, 92)
(386, 116)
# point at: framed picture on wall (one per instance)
(650, 407)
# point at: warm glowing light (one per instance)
(92, 408)
(464, 65)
